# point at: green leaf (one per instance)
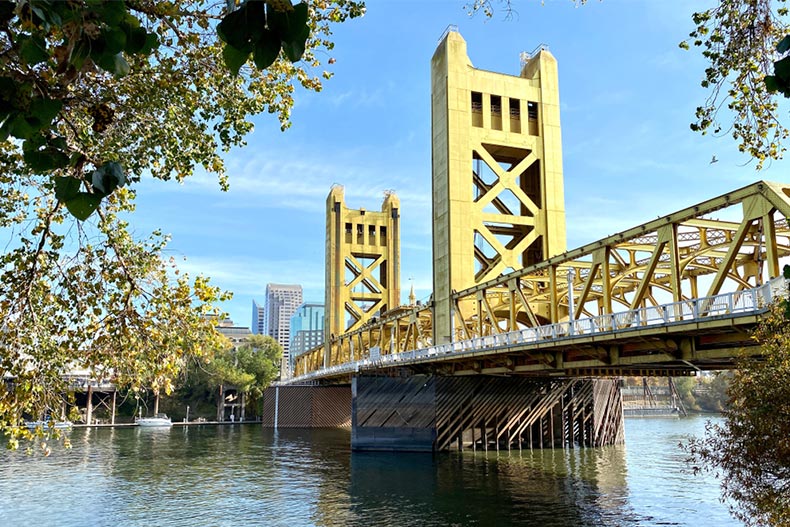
(83, 204)
(45, 110)
(151, 43)
(20, 127)
(771, 83)
(45, 160)
(75, 159)
(113, 13)
(114, 64)
(782, 69)
(233, 28)
(289, 25)
(266, 50)
(130, 21)
(786, 272)
(298, 17)
(135, 40)
(235, 58)
(294, 49)
(108, 178)
(66, 188)
(34, 143)
(292, 29)
(255, 20)
(32, 49)
(114, 41)
(784, 45)
(6, 11)
(4, 131)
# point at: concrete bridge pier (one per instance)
(429, 413)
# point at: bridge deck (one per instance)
(675, 338)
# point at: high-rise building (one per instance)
(258, 319)
(307, 329)
(281, 302)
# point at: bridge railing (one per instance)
(724, 305)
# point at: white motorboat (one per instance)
(157, 420)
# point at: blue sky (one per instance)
(627, 91)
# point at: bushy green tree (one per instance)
(714, 397)
(750, 450)
(685, 387)
(94, 96)
(249, 368)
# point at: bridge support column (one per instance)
(307, 407)
(428, 413)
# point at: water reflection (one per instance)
(245, 475)
(549, 487)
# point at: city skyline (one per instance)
(626, 160)
(282, 300)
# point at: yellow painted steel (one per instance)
(671, 258)
(498, 206)
(498, 199)
(362, 268)
(662, 261)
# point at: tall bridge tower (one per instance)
(362, 264)
(498, 201)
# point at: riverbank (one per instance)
(175, 423)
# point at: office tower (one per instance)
(307, 329)
(258, 314)
(281, 302)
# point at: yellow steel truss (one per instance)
(362, 266)
(685, 255)
(498, 201)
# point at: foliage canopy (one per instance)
(750, 451)
(95, 95)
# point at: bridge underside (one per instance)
(430, 413)
(680, 349)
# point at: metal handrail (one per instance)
(726, 304)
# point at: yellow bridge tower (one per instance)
(498, 202)
(362, 265)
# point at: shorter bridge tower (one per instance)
(362, 264)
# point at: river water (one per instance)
(245, 475)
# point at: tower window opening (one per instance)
(496, 112)
(477, 101)
(532, 110)
(532, 114)
(515, 116)
(477, 109)
(515, 109)
(496, 105)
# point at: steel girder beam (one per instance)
(665, 259)
(672, 256)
